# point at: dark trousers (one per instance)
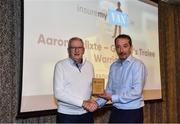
(84, 118)
(126, 116)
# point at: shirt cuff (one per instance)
(98, 102)
(114, 98)
(101, 102)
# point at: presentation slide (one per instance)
(49, 24)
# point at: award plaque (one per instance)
(98, 86)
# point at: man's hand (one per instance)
(105, 95)
(90, 105)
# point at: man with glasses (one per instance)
(72, 85)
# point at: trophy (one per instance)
(98, 86)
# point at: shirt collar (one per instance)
(74, 63)
(129, 59)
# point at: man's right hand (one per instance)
(90, 105)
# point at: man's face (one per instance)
(123, 48)
(76, 50)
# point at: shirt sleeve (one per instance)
(100, 101)
(139, 74)
(61, 93)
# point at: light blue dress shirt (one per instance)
(126, 82)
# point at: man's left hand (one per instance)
(106, 95)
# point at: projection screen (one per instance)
(49, 24)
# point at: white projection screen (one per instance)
(49, 24)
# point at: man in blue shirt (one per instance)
(125, 85)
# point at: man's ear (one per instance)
(83, 50)
(131, 49)
(68, 50)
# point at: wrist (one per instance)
(83, 103)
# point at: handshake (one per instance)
(90, 105)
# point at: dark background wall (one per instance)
(165, 110)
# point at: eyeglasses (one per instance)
(74, 48)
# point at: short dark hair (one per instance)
(74, 38)
(123, 36)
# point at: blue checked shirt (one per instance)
(126, 82)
